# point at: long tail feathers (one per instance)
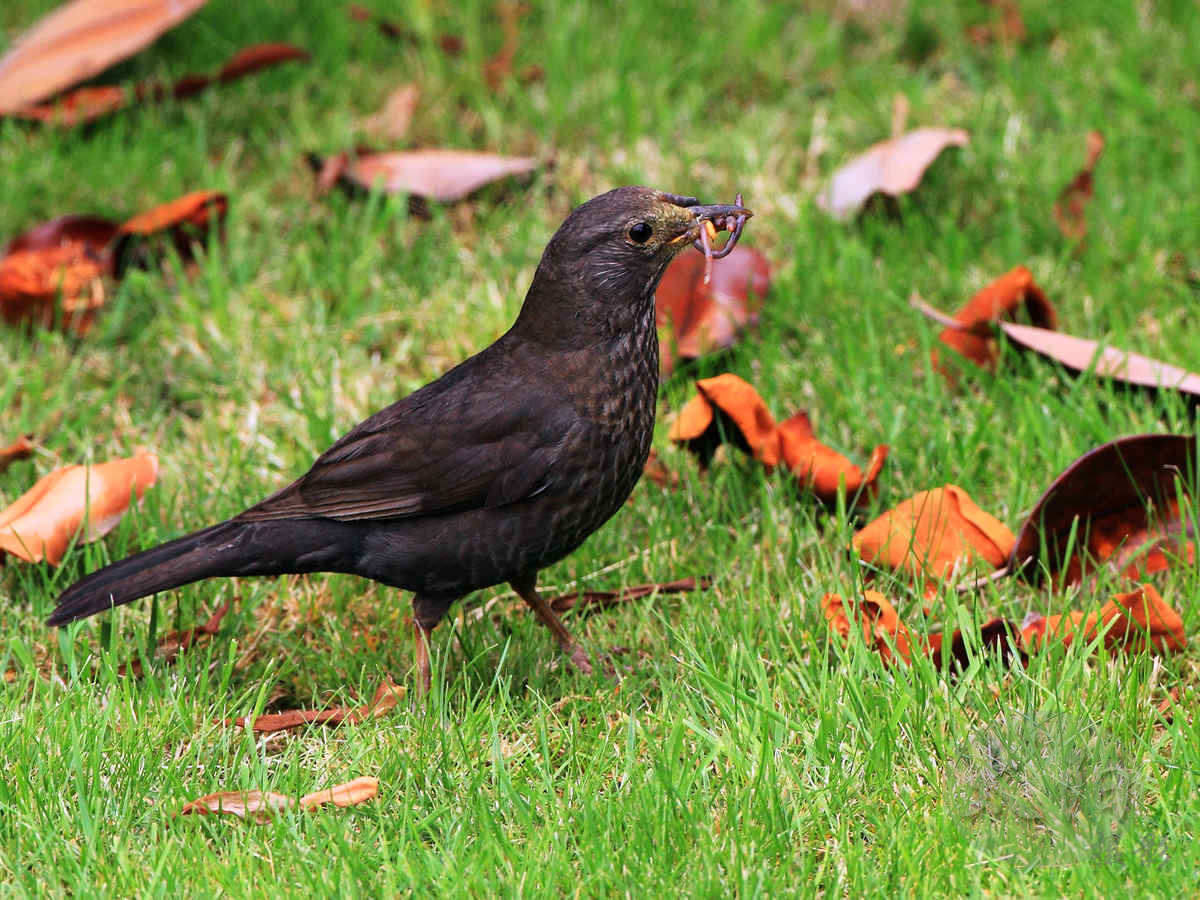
(219, 550)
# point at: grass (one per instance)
(741, 753)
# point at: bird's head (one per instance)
(599, 272)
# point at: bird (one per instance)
(499, 468)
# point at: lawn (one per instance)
(739, 751)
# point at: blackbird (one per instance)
(499, 468)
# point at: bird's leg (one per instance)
(421, 659)
(527, 589)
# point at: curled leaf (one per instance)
(442, 175)
(875, 618)
(63, 285)
(934, 533)
(80, 39)
(1010, 294)
(695, 318)
(387, 695)
(1134, 621)
(45, 519)
(997, 637)
(1070, 210)
(891, 167)
(822, 469)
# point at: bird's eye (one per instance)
(640, 233)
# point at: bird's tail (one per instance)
(229, 548)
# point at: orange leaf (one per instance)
(821, 469)
(743, 417)
(1070, 210)
(387, 695)
(21, 448)
(892, 167)
(80, 39)
(352, 793)
(934, 532)
(695, 318)
(1141, 619)
(259, 806)
(63, 284)
(43, 521)
(200, 209)
(1002, 299)
(880, 624)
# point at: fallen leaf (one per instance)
(607, 599)
(1079, 355)
(80, 39)
(1134, 621)
(880, 625)
(655, 470)
(695, 318)
(1007, 27)
(387, 695)
(442, 175)
(392, 122)
(1070, 210)
(259, 806)
(1120, 495)
(726, 408)
(891, 167)
(997, 637)
(934, 533)
(91, 103)
(500, 66)
(1012, 293)
(56, 272)
(45, 519)
(450, 44)
(21, 448)
(171, 643)
(1166, 707)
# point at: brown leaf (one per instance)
(1166, 707)
(200, 210)
(655, 470)
(21, 448)
(891, 167)
(1008, 27)
(934, 533)
(80, 39)
(259, 806)
(450, 44)
(499, 67)
(171, 643)
(822, 469)
(1135, 621)
(997, 637)
(43, 521)
(1070, 210)
(695, 318)
(607, 599)
(880, 625)
(1006, 297)
(48, 287)
(91, 103)
(1120, 495)
(442, 175)
(392, 122)
(93, 232)
(387, 695)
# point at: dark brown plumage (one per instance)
(501, 467)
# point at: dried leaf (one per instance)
(1008, 27)
(387, 695)
(1006, 297)
(695, 318)
(891, 167)
(198, 210)
(171, 643)
(997, 637)
(48, 287)
(1070, 210)
(392, 122)
(21, 448)
(93, 232)
(607, 599)
(727, 408)
(43, 521)
(442, 175)
(1120, 495)
(259, 806)
(1135, 621)
(934, 533)
(880, 625)
(91, 103)
(655, 470)
(450, 44)
(80, 39)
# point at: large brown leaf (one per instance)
(1120, 496)
(695, 317)
(44, 520)
(387, 695)
(442, 175)
(78, 40)
(891, 167)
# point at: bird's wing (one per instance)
(462, 450)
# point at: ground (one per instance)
(740, 751)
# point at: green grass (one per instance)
(741, 753)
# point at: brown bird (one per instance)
(501, 467)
